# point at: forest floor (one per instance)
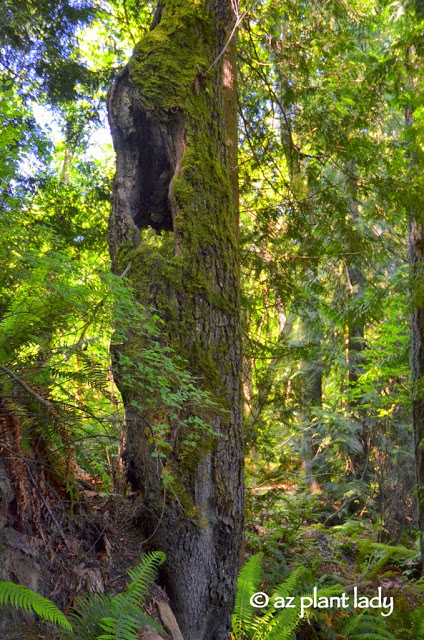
(103, 541)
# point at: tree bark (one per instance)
(416, 263)
(311, 400)
(173, 117)
(312, 379)
(356, 345)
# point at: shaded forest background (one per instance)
(331, 124)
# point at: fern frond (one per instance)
(290, 585)
(125, 616)
(123, 628)
(248, 583)
(418, 621)
(366, 626)
(260, 625)
(352, 624)
(27, 600)
(283, 624)
(143, 576)
(86, 614)
(379, 555)
(126, 622)
(119, 617)
(372, 636)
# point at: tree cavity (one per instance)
(149, 145)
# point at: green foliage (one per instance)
(407, 622)
(249, 581)
(95, 617)
(275, 519)
(323, 169)
(246, 624)
(117, 617)
(57, 301)
(160, 383)
(157, 380)
(273, 623)
(365, 626)
(25, 599)
(374, 556)
(39, 44)
(418, 622)
(326, 187)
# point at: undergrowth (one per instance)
(98, 616)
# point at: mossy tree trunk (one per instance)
(416, 259)
(416, 262)
(174, 124)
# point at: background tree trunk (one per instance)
(173, 122)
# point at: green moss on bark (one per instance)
(189, 277)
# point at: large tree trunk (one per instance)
(416, 262)
(173, 122)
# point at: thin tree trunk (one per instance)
(311, 399)
(173, 122)
(312, 379)
(356, 331)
